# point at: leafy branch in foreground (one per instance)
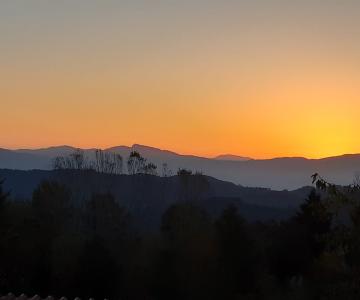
(332, 188)
(344, 203)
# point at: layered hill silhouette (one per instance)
(147, 197)
(232, 157)
(277, 173)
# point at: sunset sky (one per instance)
(254, 78)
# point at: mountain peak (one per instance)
(144, 147)
(139, 147)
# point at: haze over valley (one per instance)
(277, 173)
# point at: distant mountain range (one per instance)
(277, 173)
(232, 157)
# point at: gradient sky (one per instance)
(254, 78)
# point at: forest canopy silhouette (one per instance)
(66, 242)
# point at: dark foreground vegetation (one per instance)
(65, 243)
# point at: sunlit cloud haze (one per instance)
(254, 78)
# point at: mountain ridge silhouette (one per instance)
(276, 173)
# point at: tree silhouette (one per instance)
(74, 161)
(237, 255)
(99, 275)
(3, 196)
(150, 169)
(184, 172)
(51, 203)
(136, 163)
(106, 162)
(105, 218)
(316, 219)
(186, 264)
(166, 172)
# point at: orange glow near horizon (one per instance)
(271, 85)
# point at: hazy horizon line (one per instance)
(175, 152)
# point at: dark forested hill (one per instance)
(146, 197)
